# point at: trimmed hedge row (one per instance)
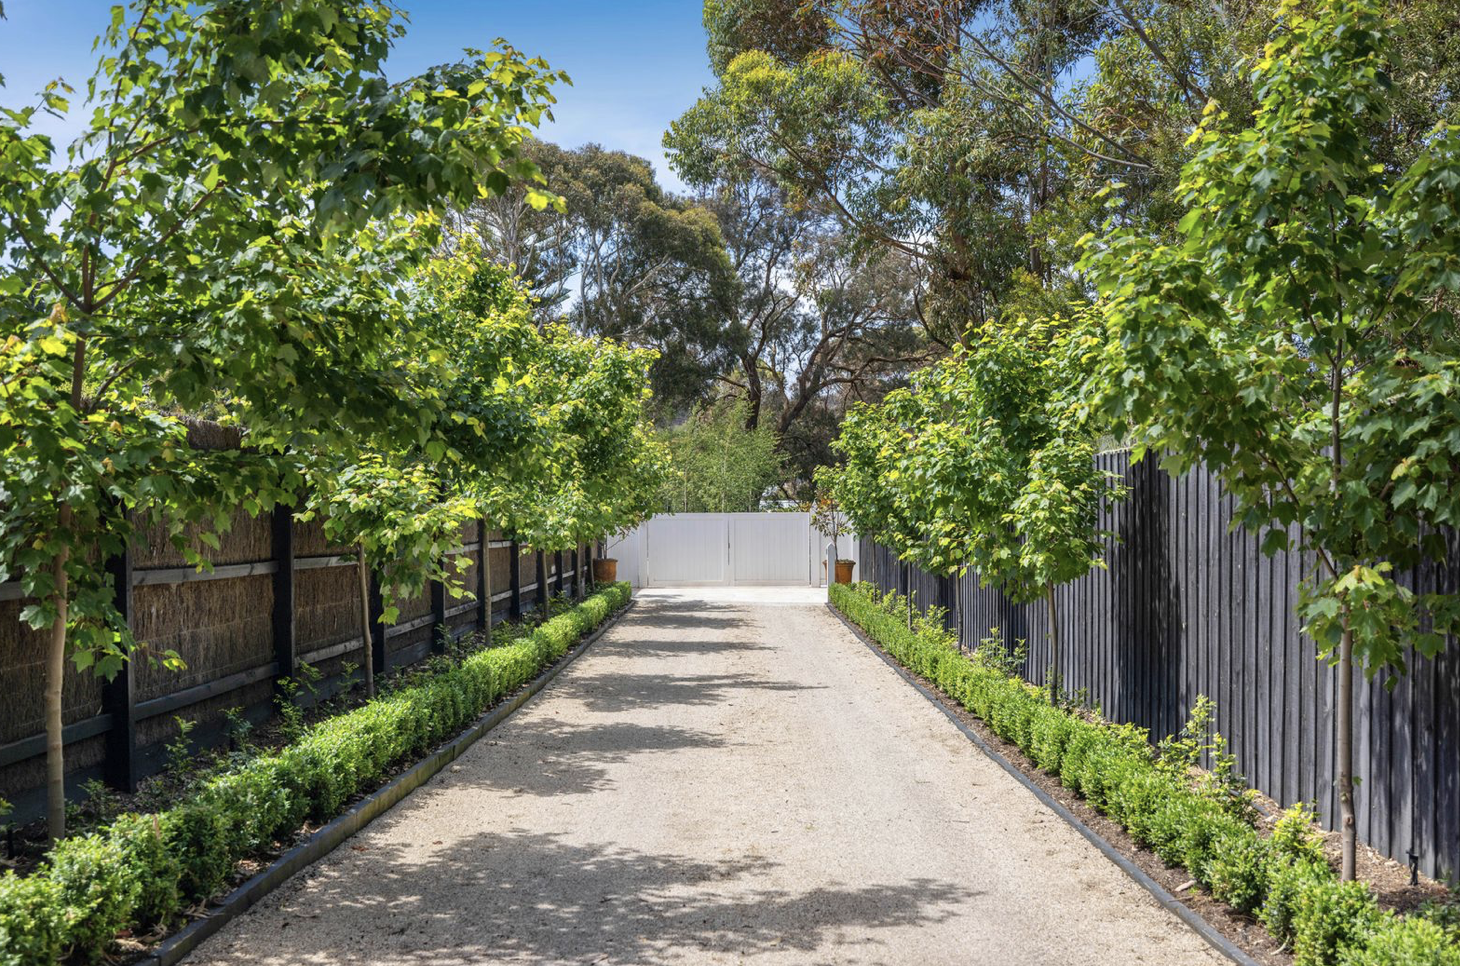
(140, 871)
(1283, 879)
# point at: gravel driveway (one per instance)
(718, 780)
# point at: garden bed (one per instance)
(1361, 930)
(123, 887)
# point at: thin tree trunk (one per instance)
(363, 568)
(1345, 724)
(1054, 646)
(55, 679)
(56, 651)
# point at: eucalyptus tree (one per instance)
(619, 256)
(1299, 339)
(247, 188)
(520, 230)
(970, 135)
(814, 313)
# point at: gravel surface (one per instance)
(717, 781)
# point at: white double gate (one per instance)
(689, 549)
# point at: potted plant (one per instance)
(827, 517)
(605, 570)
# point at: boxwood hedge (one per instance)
(140, 871)
(1283, 879)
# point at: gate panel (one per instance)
(770, 548)
(686, 548)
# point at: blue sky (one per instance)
(636, 65)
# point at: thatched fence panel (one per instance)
(280, 595)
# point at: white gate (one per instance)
(687, 549)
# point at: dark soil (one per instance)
(1388, 878)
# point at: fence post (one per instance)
(558, 566)
(484, 577)
(438, 617)
(908, 591)
(377, 626)
(514, 575)
(542, 583)
(119, 695)
(285, 642)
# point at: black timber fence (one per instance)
(1190, 606)
(279, 597)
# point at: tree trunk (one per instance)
(1345, 724)
(56, 651)
(1054, 646)
(363, 568)
(55, 679)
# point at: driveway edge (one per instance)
(1186, 914)
(362, 813)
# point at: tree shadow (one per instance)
(666, 648)
(698, 615)
(521, 896)
(545, 757)
(610, 692)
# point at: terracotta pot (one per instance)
(844, 571)
(605, 570)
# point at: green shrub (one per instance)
(1411, 941)
(1136, 799)
(1199, 843)
(155, 866)
(195, 831)
(1237, 870)
(1446, 915)
(1287, 878)
(1297, 835)
(1077, 750)
(1049, 734)
(1331, 917)
(31, 927)
(98, 890)
(139, 871)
